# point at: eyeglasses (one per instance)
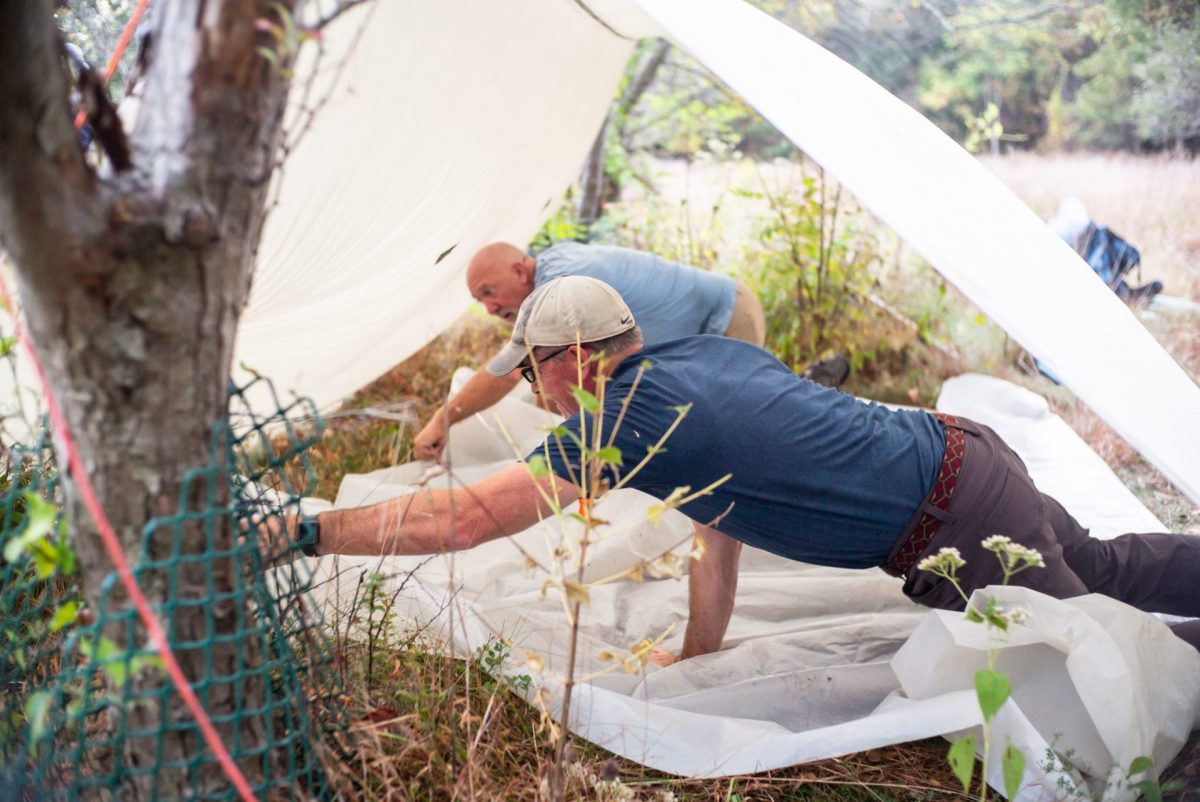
(527, 371)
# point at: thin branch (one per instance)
(340, 8)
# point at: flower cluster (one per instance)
(945, 563)
(1013, 557)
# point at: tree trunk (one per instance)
(593, 179)
(591, 183)
(132, 286)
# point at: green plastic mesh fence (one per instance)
(87, 712)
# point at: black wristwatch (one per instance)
(308, 535)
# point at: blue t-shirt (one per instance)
(817, 475)
(668, 300)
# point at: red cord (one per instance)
(118, 51)
(115, 553)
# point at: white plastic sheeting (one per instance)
(818, 662)
(443, 126)
(457, 123)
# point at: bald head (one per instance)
(500, 276)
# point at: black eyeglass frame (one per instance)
(527, 372)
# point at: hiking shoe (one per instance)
(831, 372)
(1139, 295)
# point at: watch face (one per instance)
(308, 535)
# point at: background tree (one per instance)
(1059, 73)
(132, 282)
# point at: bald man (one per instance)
(669, 300)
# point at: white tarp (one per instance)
(818, 662)
(451, 124)
(457, 123)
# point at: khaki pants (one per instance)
(747, 322)
(1155, 572)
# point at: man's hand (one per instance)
(430, 441)
(661, 657)
(275, 535)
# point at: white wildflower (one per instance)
(946, 561)
(612, 791)
(997, 543)
(579, 773)
(1026, 555)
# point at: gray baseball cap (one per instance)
(564, 311)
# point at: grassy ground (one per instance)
(441, 729)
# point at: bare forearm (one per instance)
(435, 521)
(712, 585)
(480, 392)
(427, 522)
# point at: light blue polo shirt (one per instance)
(669, 300)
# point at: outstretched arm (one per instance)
(433, 521)
(712, 583)
(480, 392)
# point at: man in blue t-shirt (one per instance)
(669, 299)
(755, 454)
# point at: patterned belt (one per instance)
(904, 557)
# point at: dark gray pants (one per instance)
(1158, 573)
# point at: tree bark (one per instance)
(591, 183)
(132, 287)
(593, 179)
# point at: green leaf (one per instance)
(64, 616)
(37, 713)
(1012, 764)
(108, 657)
(586, 400)
(993, 689)
(39, 516)
(962, 760)
(1139, 765)
(538, 468)
(1150, 790)
(45, 558)
(611, 455)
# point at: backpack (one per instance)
(1108, 254)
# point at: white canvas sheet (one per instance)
(818, 662)
(450, 125)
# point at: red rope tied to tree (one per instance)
(118, 51)
(158, 637)
(154, 629)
